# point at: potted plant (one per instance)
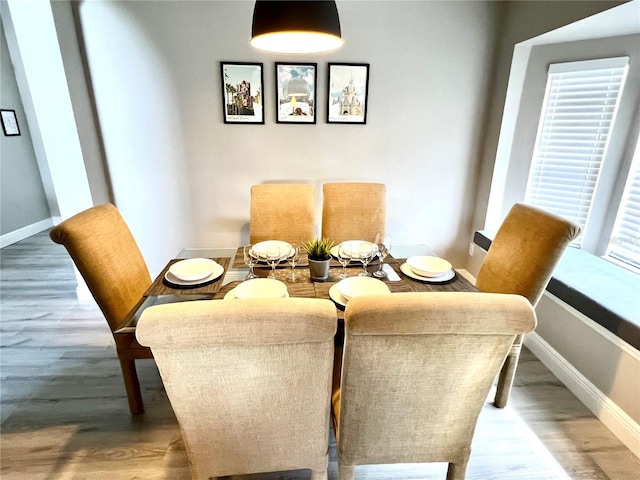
(319, 254)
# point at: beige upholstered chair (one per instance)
(353, 211)
(282, 212)
(416, 371)
(108, 258)
(521, 260)
(249, 381)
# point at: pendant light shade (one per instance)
(296, 26)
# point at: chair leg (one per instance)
(456, 471)
(505, 380)
(132, 385)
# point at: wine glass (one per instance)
(250, 261)
(273, 257)
(344, 257)
(365, 252)
(383, 242)
(294, 257)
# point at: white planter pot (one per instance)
(319, 270)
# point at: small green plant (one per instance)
(318, 249)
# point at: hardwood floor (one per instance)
(65, 415)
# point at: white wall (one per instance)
(80, 93)
(22, 197)
(181, 177)
(42, 82)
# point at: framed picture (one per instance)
(9, 123)
(296, 92)
(242, 92)
(348, 93)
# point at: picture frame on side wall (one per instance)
(348, 93)
(242, 92)
(9, 123)
(296, 92)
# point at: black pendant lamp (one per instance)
(296, 26)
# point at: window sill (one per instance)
(604, 292)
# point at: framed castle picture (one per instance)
(296, 93)
(242, 92)
(348, 93)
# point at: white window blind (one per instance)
(624, 245)
(581, 102)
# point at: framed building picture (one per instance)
(296, 92)
(9, 123)
(242, 92)
(348, 87)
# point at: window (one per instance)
(580, 106)
(624, 245)
(573, 173)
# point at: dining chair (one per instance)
(353, 211)
(249, 381)
(282, 212)
(521, 260)
(107, 256)
(416, 372)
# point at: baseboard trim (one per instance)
(25, 232)
(612, 416)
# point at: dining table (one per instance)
(297, 280)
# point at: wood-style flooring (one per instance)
(65, 415)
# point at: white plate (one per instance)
(218, 270)
(445, 277)
(336, 296)
(193, 269)
(259, 250)
(426, 266)
(353, 244)
(261, 288)
(352, 287)
(231, 295)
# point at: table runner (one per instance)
(238, 262)
(303, 287)
(457, 284)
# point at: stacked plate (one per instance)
(355, 247)
(428, 269)
(259, 288)
(352, 287)
(194, 272)
(259, 250)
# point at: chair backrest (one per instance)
(416, 371)
(282, 212)
(108, 258)
(249, 380)
(353, 211)
(525, 251)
